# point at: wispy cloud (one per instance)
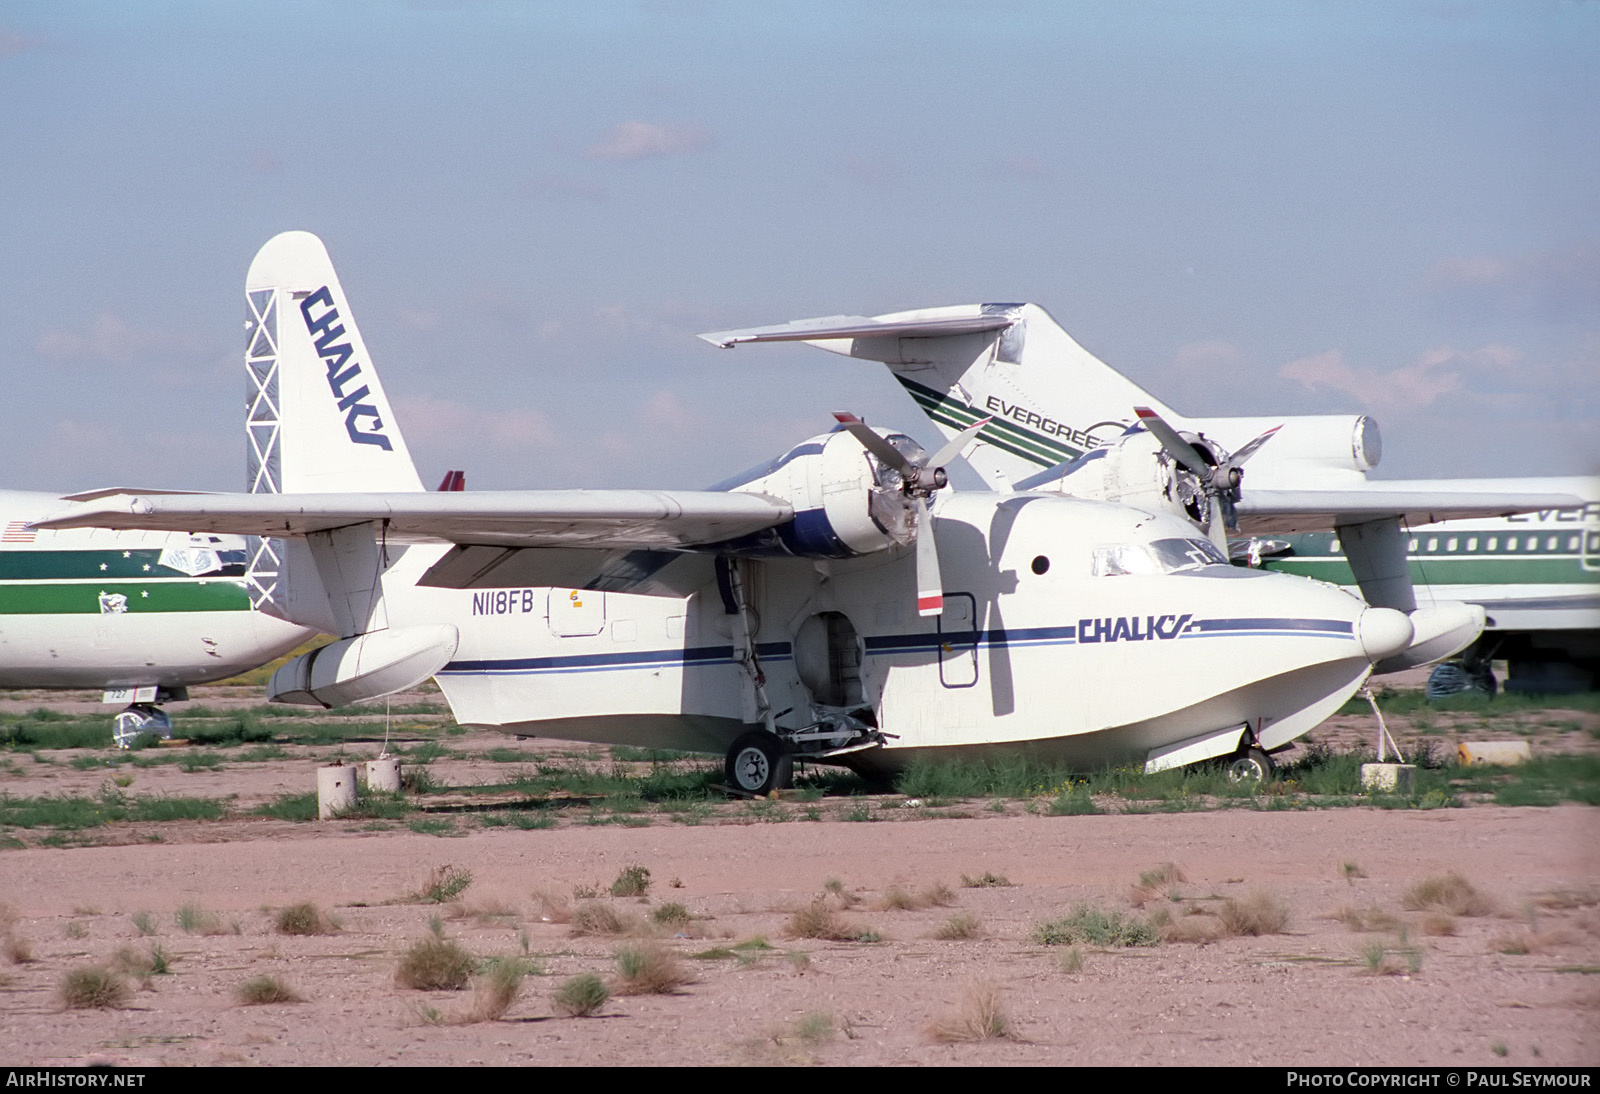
(437, 423)
(1434, 374)
(13, 42)
(111, 339)
(637, 140)
(1547, 284)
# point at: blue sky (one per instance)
(1249, 208)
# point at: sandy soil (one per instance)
(1305, 995)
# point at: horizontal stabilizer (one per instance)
(608, 519)
(861, 326)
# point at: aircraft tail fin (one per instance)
(1011, 363)
(318, 418)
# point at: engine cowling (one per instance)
(846, 503)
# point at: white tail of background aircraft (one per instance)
(1049, 399)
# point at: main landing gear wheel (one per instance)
(139, 720)
(759, 763)
(1250, 765)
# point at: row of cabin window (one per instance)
(1492, 543)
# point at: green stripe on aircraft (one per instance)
(16, 565)
(96, 598)
(1004, 435)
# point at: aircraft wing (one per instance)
(860, 326)
(586, 519)
(1413, 502)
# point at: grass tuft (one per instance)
(435, 964)
(981, 1017)
(304, 919)
(649, 969)
(632, 881)
(959, 928)
(1256, 914)
(1449, 893)
(498, 988)
(1095, 927)
(581, 996)
(594, 917)
(443, 884)
(817, 920)
(193, 919)
(262, 990)
(986, 880)
(93, 987)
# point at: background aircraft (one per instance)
(1537, 575)
(142, 615)
(835, 603)
(1053, 407)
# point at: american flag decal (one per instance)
(17, 531)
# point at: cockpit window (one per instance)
(1164, 556)
(1186, 554)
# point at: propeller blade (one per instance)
(1250, 449)
(886, 452)
(957, 445)
(930, 585)
(1180, 449)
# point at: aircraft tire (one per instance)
(1250, 765)
(138, 720)
(759, 763)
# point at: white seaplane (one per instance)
(840, 604)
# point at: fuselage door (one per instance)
(958, 641)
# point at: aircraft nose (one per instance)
(1383, 632)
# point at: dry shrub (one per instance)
(1438, 924)
(304, 919)
(986, 880)
(817, 920)
(1156, 882)
(553, 907)
(435, 964)
(581, 996)
(495, 991)
(1257, 914)
(632, 881)
(93, 987)
(896, 898)
(261, 990)
(193, 919)
(981, 1017)
(1198, 929)
(835, 888)
(1520, 942)
(443, 884)
(594, 917)
(959, 928)
(15, 947)
(671, 914)
(649, 969)
(1449, 893)
(1366, 919)
(486, 911)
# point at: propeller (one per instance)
(1219, 480)
(919, 478)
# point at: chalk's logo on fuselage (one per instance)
(1131, 628)
(324, 330)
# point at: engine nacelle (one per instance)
(364, 667)
(1307, 446)
(845, 502)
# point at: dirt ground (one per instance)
(1353, 977)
